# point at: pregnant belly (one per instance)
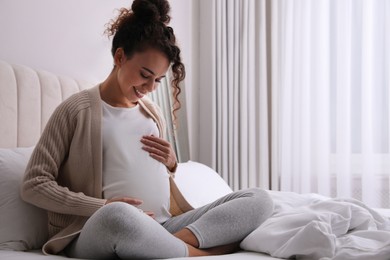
(148, 182)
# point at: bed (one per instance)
(305, 226)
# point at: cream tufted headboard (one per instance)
(27, 99)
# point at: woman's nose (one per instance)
(150, 85)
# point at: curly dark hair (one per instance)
(145, 26)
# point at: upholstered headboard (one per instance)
(27, 99)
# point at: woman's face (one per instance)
(141, 73)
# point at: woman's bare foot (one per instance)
(192, 242)
(218, 250)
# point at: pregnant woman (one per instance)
(103, 170)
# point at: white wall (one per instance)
(66, 37)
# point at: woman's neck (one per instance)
(111, 93)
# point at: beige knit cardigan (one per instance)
(64, 174)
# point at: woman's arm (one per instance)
(40, 185)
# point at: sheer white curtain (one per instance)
(301, 96)
(238, 112)
(334, 98)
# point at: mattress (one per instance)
(35, 255)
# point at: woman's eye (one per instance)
(144, 76)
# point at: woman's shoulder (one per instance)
(149, 103)
(81, 100)
(151, 107)
(155, 112)
(78, 103)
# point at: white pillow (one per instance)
(200, 184)
(23, 226)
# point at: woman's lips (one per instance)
(138, 93)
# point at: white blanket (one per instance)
(314, 227)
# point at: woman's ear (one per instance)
(119, 57)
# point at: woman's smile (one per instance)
(138, 93)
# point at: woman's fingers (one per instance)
(160, 150)
(152, 142)
(131, 201)
(150, 214)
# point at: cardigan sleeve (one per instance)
(40, 185)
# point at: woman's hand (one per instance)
(161, 150)
(132, 201)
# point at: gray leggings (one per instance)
(119, 230)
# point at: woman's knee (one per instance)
(116, 216)
(261, 202)
(105, 230)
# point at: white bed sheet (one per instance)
(310, 226)
(384, 212)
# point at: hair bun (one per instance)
(152, 10)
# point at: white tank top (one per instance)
(129, 171)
